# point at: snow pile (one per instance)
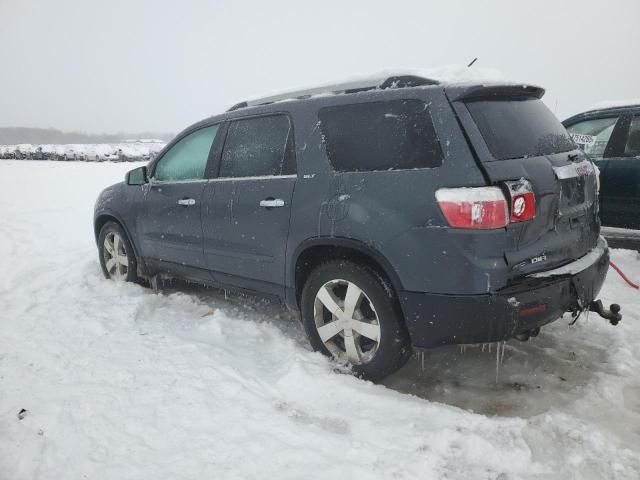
(118, 382)
(136, 150)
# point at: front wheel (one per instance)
(350, 313)
(117, 259)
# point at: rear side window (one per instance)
(519, 128)
(391, 135)
(257, 147)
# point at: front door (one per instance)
(246, 209)
(169, 225)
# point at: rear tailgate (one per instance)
(516, 137)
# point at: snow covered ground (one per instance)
(121, 383)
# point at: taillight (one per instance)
(523, 201)
(481, 207)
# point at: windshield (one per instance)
(519, 128)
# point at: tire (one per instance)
(374, 350)
(114, 267)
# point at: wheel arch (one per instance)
(103, 218)
(313, 252)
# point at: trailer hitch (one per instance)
(613, 314)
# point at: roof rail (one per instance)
(394, 81)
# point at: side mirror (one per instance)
(137, 176)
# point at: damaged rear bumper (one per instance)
(434, 319)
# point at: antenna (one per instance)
(472, 62)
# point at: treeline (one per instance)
(17, 135)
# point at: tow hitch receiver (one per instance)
(613, 314)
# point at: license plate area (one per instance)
(573, 191)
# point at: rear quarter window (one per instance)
(374, 136)
(519, 128)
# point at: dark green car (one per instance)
(611, 137)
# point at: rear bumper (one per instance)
(434, 319)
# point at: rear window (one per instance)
(519, 128)
(391, 135)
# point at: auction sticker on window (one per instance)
(583, 139)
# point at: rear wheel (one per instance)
(117, 259)
(350, 313)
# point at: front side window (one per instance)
(257, 147)
(593, 135)
(187, 159)
(374, 136)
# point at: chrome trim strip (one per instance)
(263, 177)
(154, 182)
(574, 170)
(159, 183)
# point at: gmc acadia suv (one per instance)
(390, 213)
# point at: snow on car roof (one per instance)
(615, 103)
(447, 74)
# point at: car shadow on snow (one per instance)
(549, 371)
(532, 377)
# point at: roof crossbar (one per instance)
(394, 81)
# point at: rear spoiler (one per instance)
(492, 92)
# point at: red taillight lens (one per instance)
(523, 201)
(523, 207)
(482, 207)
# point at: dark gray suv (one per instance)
(390, 213)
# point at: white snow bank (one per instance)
(121, 383)
(91, 151)
(615, 103)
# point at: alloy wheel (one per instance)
(347, 322)
(115, 256)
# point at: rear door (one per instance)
(603, 138)
(620, 191)
(169, 220)
(246, 209)
(516, 137)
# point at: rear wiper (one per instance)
(573, 157)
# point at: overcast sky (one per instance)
(132, 65)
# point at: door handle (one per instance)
(186, 202)
(272, 202)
